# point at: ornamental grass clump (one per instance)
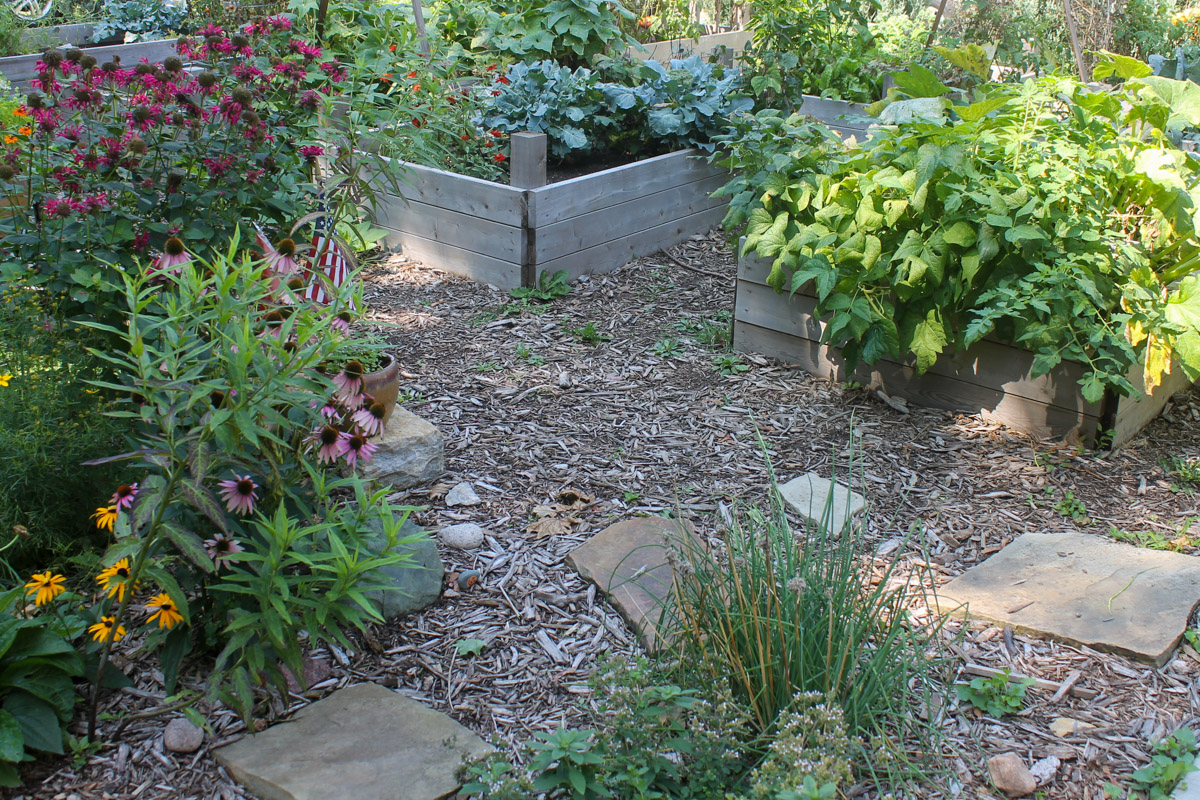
(778, 612)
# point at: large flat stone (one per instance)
(1083, 589)
(417, 583)
(410, 452)
(809, 496)
(628, 562)
(364, 742)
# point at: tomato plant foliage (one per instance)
(1049, 214)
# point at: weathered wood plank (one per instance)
(619, 252)
(476, 266)
(527, 160)
(993, 365)
(934, 391)
(588, 230)
(76, 34)
(833, 110)
(1133, 414)
(474, 196)
(587, 193)
(465, 231)
(733, 42)
(19, 70)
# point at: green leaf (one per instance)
(12, 741)
(960, 233)
(977, 111)
(1110, 64)
(472, 647)
(176, 645)
(189, 545)
(919, 81)
(39, 724)
(973, 58)
(1182, 97)
(928, 341)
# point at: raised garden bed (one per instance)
(991, 378)
(19, 70)
(506, 236)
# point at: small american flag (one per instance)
(329, 267)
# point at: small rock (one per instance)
(462, 495)
(466, 536)
(1044, 769)
(182, 736)
(1065, 726)
(409, 452)
(1010, 775)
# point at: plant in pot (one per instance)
(368, 385)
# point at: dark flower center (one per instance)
(357, 442)
(221, 545)
(353, 369)
(329, 435)
(377, 410)
(122, 573)
(286, 247)
(245, 487)
(217, 398)
(124, 490)
(174, 246)
(344, 316)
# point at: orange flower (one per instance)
(25, 130)
(20, 111)
(10, 139)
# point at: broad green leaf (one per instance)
(39, 724)
(977, 111)
(189, 545)
(928, 341)
(1182, 97)
(919, 81)
(1110, 64)
(973, 58)
(12, 741)
(961, 233)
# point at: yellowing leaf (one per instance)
(1135, 332)
(1158, 362)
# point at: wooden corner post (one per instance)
(527, 169)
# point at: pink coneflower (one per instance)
(124, 496)
(220, 547)
(357, 447)
(329, 411)
(239, 494)
(282, 258)
(341, 321)
(349, 382)
(173, 257)
(370, 418)
(333, 444)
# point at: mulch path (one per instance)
(562, 437)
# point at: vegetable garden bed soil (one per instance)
(991, 377)
(647, 434)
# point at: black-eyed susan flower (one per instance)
(107, 629)
(115, 579)
(106, 518)
(46, 586)
(5, 378)
(164, 610)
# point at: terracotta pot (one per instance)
(384, 384)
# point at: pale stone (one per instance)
(1083, 589)
(416, 583)
(821, 501)
(409, 452)
(1010, 775)
(364, 742)
(1065, 726)
(628, 562)
(466, 536)
(1044, 769)
(182, 736)
(1188, 788)
(463, 494)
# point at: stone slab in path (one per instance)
(1083, 589)
(364, 742)
(808, 495)
(628, 562)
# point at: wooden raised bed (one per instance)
(506, 236)
(19, 70)
(990, 378)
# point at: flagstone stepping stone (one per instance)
(409, 452)
(628, 562)
(364, 742)
(808, 495)
(1082, 589)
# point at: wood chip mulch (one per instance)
(562, 438)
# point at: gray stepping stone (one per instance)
(364, 742)
(628, 562)
(417, 583)
(410, 452)
(809, 494)
(1083, 589)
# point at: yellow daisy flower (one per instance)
(115, 579)
(4, 379)
(46, 586)
(106, 517)
(165, 611)
(107, 629)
